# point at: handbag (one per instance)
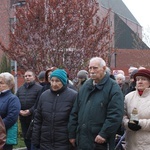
(12, 135)
(30, 128)
(2, 133)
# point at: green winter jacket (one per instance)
(97, 110)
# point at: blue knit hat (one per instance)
(60, 74)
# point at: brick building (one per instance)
(127, 31)
(124, 25)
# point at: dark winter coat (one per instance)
(51, 118)
(9, 108)
(27, 94)
(131, 87)
(98, 110)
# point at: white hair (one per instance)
(108, 70)
(8, 78)
(102, 62)
(132, 68)
(141, 67)
(121, 76)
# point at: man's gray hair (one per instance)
(8, 79)
(101, 61)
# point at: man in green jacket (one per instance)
(98, 111)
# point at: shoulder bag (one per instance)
(2, 133)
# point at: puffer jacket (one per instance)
(28, 94)
(51, 118)
(98, 110)
(138, 140)
(9, 108)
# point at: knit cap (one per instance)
(41, 75)
(82, 74)
(61, 75)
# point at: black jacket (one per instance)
(51, 119)
(27, 95)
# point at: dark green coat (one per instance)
(97, 110)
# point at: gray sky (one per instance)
(141, 10)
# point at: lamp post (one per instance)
(15, 62)
(15, 76)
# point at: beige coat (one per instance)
(138, 140)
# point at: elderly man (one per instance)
(98, 110)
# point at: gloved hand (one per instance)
(134, 125)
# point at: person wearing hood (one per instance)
(27, 95)
(52, 114)
(47, 80)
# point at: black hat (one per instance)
(133, 73)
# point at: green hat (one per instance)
(61, 75)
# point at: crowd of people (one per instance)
(87, 113)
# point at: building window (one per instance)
(17, 3)
(11, 24)
(12, 65)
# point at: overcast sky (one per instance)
(141, 11)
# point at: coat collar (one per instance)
(4, 92)
(99, 85)
(28, 85)
(146, 92)
(60, 90)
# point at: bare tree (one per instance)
(58, 33)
